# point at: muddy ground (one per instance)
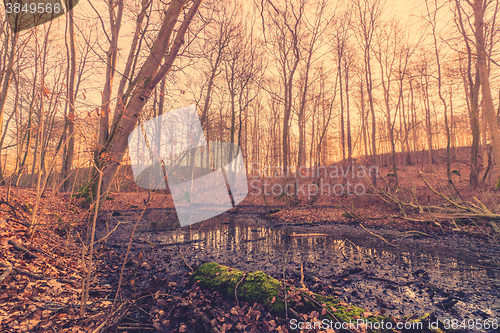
(451, 274)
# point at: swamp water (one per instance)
(456, 277)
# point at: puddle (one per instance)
(414, 278)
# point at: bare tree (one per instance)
(472, 86)
(6, 73)
(368, 16)
(70, 119)
(149, 75)
(283, 31)
(479, 7)
(311, 44)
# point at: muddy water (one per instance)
(411, 278)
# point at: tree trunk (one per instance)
(151, 73)
(70, 120)
(115, 23)
(6, 80)
(485, 83)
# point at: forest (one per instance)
(250, 166)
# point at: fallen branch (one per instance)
(467, 216)
(302, 275)
(190, 268)
(414, 220)
(35, 276)
(116, 318)
(237, 285)
(482, 205)
(21, 248)
(378, 236)
(308, 235)
(472, 210)
(176, 243)
(414, 232)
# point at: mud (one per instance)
(455, 276)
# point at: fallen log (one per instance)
(256, 287)
(264, 289)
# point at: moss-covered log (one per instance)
(264, 289)
(256, 287)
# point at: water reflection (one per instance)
(251, 239)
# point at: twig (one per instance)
(296, 314)
(284, 286)
(36, 276)
(323, 306)
(308, 235)
(448, 199)
(413, 220)
(14, 209)
(482, 205)
(131, 326)
(355, 246)
(190, 268)
(414, 192)
(113, 314)
(302, 275)
(414, 232)
(20, 247)
(378, 236)
(120, 280)
(110, 233)
(86, 285)
(237, 285)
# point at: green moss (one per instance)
(342, 311)
(256, 287)
(261, 288)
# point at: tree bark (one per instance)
(151, 73)
(115, 23)
(70, 120)
(491, 117)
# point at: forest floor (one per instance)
(391, 251)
